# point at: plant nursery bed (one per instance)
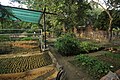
(24, 63)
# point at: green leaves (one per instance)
(103, 19)
(114, 3)
(86, 46)
(95, 67)
(70, 13)
(67, 45)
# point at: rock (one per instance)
(110, 76)
(118, 73)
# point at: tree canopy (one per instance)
(74, 13)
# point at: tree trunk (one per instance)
(64, 30)
(110, 30)
(110, 23)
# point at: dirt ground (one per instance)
(72, 72)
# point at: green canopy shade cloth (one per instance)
(26, 15)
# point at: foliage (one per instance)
(111, 58)
(95, 67)
(93, 14)
(87, 46)
(67, 45)
(28, 39)
(69, 13)
(103, 20)
(57, 31)
(112, 55)
(112, 6)
(114, 3)
(4, 38)
(21, 64)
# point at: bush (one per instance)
(95, 67)
(67, 45)
(86, 46)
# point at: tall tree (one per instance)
(110, 5)
(70, 13)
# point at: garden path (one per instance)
(73, 73)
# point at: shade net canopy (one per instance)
(21, 14)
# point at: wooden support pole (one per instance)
(44, 28)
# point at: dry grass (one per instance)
(24, 44)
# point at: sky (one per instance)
(7, 3)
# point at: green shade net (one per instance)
(22, 14)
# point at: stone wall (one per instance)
(94, 35)
(98, 35)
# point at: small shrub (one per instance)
(67, 45)
(86, 46)
(95, 67)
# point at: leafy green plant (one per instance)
(4, 38)
(86, 46)
(110, 54)
(95, 67)
(28, 39)
(67, 45)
